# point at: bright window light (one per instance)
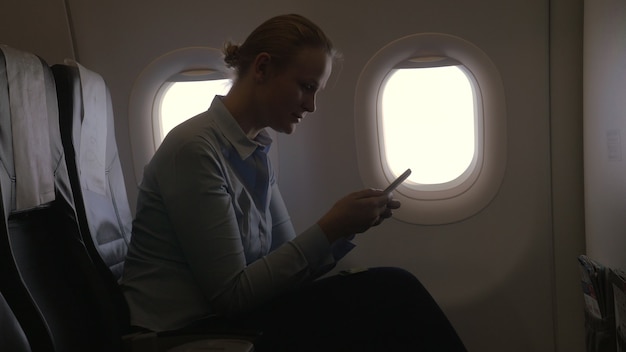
(434, 103)
(183, 100)
(428, 123)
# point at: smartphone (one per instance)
(397, 181)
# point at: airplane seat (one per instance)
(47, 276)
(12, 337)
(95, 173)
(102, 208)
(95, 170)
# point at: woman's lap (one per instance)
(378, 309)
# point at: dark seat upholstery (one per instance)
(12, 337)
(47, 276)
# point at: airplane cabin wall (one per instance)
(493, 273)
(568, 217)
(605, 124)
(40, 27)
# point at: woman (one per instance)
(212, 236)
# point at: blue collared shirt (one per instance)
(205, 241)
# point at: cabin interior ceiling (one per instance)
(104, 36)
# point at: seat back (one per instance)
(47, 275)
(88, 134)
(87, 129)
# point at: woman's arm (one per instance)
(203, 215)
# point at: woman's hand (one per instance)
(356, 213)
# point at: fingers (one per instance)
(393, 204)
(357, 212)
(367, 193)
(385, 214)
(385, 204)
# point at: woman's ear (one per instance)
(261, 67)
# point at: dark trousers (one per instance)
(380, 309)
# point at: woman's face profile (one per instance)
(291, 91)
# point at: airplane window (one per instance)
(428, 123)
(155, 99)
(183, 100)
(433, 103)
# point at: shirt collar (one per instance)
(235, 135)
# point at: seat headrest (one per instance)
(28, 99)
(91, 151)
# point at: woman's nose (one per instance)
(309, 103)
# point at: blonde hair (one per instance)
(281, 37)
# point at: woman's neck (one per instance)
(240, 104)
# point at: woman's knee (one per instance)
(391, 277)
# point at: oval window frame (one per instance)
(460, 198)
(148, 89)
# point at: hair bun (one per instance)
(231, 55)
